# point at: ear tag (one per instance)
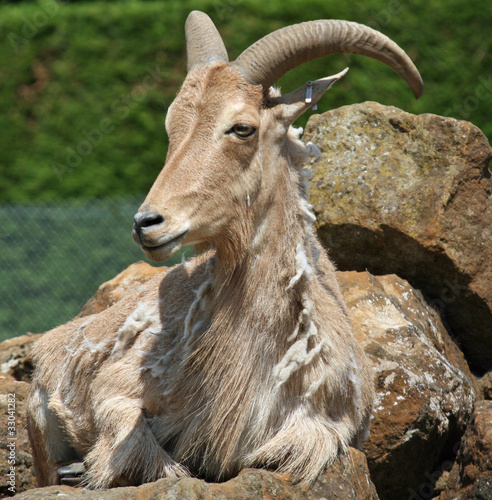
(309, 94)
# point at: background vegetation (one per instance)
(84, 91)
(85, 86)
(54, 256)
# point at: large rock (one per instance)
(15, 454)
(471, 475)
(425, 391)
(15, 356)
(347, 479)
(424, 387)
(411, 195)
(127, 282)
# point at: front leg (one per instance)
(303, 447)
(126, 452)
(51, 449)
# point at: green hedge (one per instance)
(85, 86)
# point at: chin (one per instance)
(162, 253)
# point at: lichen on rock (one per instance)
(410, 195)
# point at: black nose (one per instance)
(144, 220)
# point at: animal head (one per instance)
(228, 131)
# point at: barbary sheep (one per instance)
(242, 356)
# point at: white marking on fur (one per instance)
(158, 334)
(72, 350)
(193, 327)
(297, 355)
(295, 358)
(39, 401)
(306, 209)
(145, 316)
(296, 131)
(83, 325)
(77, 346)
(156, 364)
(313, 151)
(199, 327)
(306, 174)
(316, 385)
(159, 368)
(93, 348)
(184, 262)
(302, 266)
(199, 304)
(293, 335)
(195, 306)
(316, 253)
(304, 189)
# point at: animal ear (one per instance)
(292, 105)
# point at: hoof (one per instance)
(71, 475)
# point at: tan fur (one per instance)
(243, 356)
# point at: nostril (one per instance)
(152, 220)
(147, 220)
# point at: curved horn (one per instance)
(275, 54)
(203, 42)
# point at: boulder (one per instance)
(15, 356)
(347, 479)
(471, 475)
(410, 195)
(124, 283)
(15, 459)
(425, 391)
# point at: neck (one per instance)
(267, 258)
(260, 310)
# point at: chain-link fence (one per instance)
(53, 257)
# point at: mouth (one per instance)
(164, 247)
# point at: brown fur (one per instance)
(243, 356)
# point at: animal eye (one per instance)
(242, 130)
